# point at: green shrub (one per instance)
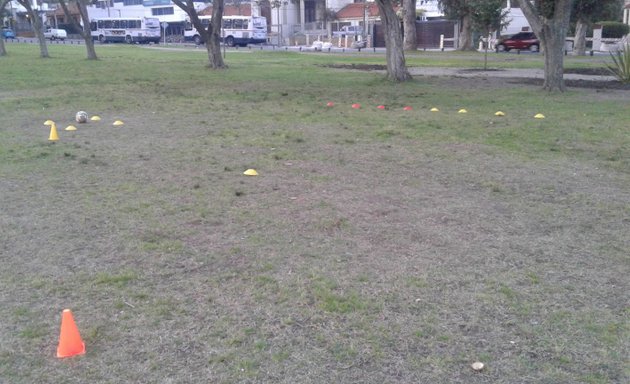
(614, 29)
(621, 67)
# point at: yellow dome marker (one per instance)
(462, 111)
(118, 122)
(435, 109)
(49, 122)
(539, 116)
(71, 128)
(95, 118)
(53, 133)
(250, 172)
(499, 113)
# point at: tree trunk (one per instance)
(551, 29)
(409, 20)
(37, 27)
(86, 33)
(89, 47)
(579, 44)
(553, 50)
(84, 30)
(214, 42)
(396, 67)
(465, 34)
(3, 49)
(39, 32)
(211, 35)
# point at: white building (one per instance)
(430, 9)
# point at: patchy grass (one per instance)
(375, 246)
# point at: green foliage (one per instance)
(591, 10)
(614, 29)
(546, 8)
(487, 15)
(621, 64)
(455, 9)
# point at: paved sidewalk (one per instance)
(503, 73)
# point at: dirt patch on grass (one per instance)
(589, 84)
(594, 83)
(361, 67)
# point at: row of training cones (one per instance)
(434, 109)
(54, 135)
(253, 172)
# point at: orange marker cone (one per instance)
(381, 107)
(70, 342)
(356, 106)
(330, 104)
(408, 108)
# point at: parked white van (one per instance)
(54, 34)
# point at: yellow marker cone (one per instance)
(462, 111)
(53, 133)
(539, 116)
(49, 122)
(71, 128)
(95, 118)
(250, 172)
(435, 109)
(118, 122)
(499, 113)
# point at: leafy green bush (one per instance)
(621, 67)
(614, 29)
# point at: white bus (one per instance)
(126, 29)
(236, 30)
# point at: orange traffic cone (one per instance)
(70, 342)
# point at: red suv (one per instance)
(520, 41)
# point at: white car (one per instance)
(54, 34)
(349, 30)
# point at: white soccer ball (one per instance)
(81, 117)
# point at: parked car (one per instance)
(349, 30)
(7, 33)
(520, 41)
(54, 34)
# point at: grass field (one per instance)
(375, 246)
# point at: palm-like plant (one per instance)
(621, 64)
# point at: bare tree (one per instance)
(38, 27)
(396, 67)
(210, 35)
(84, 30)
(409, 25)
(549, 20)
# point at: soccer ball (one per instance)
(81, 117)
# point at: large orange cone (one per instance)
(70, 342)
(53, 133)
